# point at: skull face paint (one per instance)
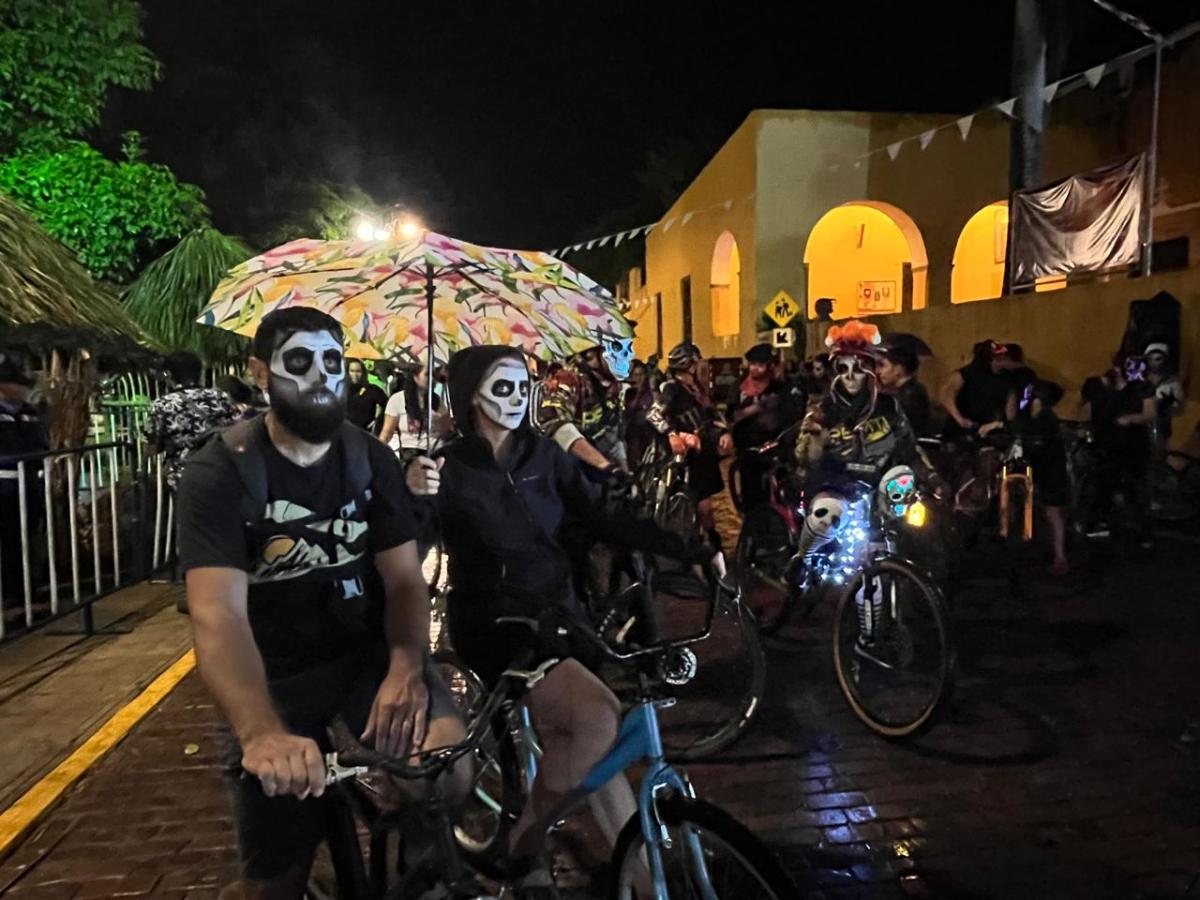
(852, 373)
(618, 353)
(307, 385)
(503, 394)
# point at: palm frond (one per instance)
(172, 291)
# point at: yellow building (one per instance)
(783, 206)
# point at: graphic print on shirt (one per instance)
(297, 542)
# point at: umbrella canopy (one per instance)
(380, 293)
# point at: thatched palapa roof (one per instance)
(47, 298)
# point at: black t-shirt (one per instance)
(363, 404)
(914, 401)
(984, 394)
(314, 593)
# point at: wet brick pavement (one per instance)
(1059, 771)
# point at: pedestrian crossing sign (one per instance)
(782, 309)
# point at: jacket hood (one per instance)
(463, 375)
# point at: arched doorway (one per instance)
(978, 272)
(725, 285)
(869, 258)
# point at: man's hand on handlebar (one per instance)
(990, 428)
(286, 764)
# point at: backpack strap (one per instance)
(244, 442)
(356, 458)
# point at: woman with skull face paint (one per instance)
(854, 423)
(504, 496)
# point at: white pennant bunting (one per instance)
(964, 125)
(1049, 91)
(687, 217)
(1094, 74)
(667, 224)
(620, 237)
(650, 228)
(604, 240)
(1007, 106)
(893, 150)
(926, 137)
(591, 243)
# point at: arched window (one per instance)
(726, 286)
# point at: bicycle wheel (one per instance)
(465, 686)
(763, 557)
(717, 683)
(1175, 488)
(893, 657)
(710, 855)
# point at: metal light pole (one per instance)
(1146, 31)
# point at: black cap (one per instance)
(760, 353)
(12, 371)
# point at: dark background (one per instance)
(536, 124)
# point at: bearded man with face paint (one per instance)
(504, 496)
(307, 598)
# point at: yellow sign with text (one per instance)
(782, 309)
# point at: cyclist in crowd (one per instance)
(854, 422)
(504, 497)
(639, 397)
(684, 405)
(1123, 409)
(1169, 395)
(582, 408)
(307, 598)
(898, 377)
(979, 397)
(1044, 447)
(365, 401)
(404, 416)
(760, 407)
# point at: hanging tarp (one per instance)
(1087, 223)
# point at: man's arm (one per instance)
(949, 399)
(399, 715)
(231, 666)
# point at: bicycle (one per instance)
(664, 483)
(676, 844)
(893, 650)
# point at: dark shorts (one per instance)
(704, 472)
(1050, 479)
(276, 834)
(489, 648)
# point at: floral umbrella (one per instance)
(391, 296)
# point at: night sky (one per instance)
(526, 123)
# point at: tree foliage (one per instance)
(114, 215)
(58, 59)
(170, 294)
(324, 210)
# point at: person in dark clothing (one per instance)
(1013, 367)
(979, 397)
(685, 406)
(22, 432)
(504, 495)
(1042, 440)
(365, 402)
(760, 407)
(1122, 408)
(639, 397)
(898, 377)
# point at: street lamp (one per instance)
(409, 228)
(364, 230)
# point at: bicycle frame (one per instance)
(1012, 473)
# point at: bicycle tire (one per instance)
(764, 526)
(760, 866)
(844, 654)
(707, 716)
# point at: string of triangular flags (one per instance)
(1091, 76)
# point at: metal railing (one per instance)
(79, 524)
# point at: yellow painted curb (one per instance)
(18, 819)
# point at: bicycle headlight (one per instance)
(915, 514)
